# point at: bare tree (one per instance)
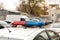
(31, 8)
(27, 7)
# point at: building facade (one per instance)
(4, 13)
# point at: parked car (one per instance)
(28, 23)
(54, 25)
(32, 23)
(28, 34)
(3, 23)
(16, 23)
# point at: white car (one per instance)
(54, 25)
(3, 23)
(28, 34)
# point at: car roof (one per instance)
(21, 32)
(2, 21)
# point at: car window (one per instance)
(46, 35)
(53, 35)
(41, 36)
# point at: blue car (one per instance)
(34, 23)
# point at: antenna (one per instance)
(7, 29)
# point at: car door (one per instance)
(47, 35)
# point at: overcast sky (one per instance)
(10, 4)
